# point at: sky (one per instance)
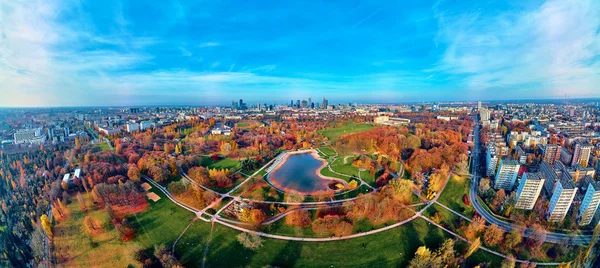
(175, 52)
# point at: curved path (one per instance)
(551, 237)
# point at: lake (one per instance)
(299, 173)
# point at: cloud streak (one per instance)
(553, 47)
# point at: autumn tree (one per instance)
(133, 173)
(508, 262)
(250, 241)
(493, 235)
(474, 228)
(513, 238)
(300, 218)
(46, 225)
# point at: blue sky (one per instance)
(71, 53)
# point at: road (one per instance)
(551, 237)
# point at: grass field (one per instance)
(334, 133)
(75, 248)
(243, 125)
(347, 168)
(103, 146)
(392, 248)
(227, 163)
(452, 196)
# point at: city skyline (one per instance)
(67, 54)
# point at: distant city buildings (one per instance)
(29, 136)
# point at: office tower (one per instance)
(590, 202)
(529, 190)
(291, 103)
(479, 105)
(241, 105)
(297, 103)
(552, 153)
(304, 104)
(581, 154)
(491, 160)
(507, 174)
(324, 104)
(312, 105)
(309, 104)
(233, 105)
(485, 114)
(562, 198)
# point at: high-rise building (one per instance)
(566, 157)
(581, 154)
(590, 202)
(552, 153)
(309, 104)
(485, 114)
(529, 190)
(241, 104)
(297, 103)
(304, 104)
(491, 160)
(562, 198)
(479, 105)
(291, 103)
(507, 174)
(324, 104)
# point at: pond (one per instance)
(300, 172)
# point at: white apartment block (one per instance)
(30, 136)
(507, 174)
(562, 198)
(491, 161)
(581, 154)
(529, 190)
(590, 202)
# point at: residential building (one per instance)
(132, 127)
(562, 198)
(145, 125)
(522, 156)
(581, 154)
(566, 157)
(551, 153)
(491, 160)
(529, 190)
(30, 136)
(485, 114)
(507, 174)
(590, 202)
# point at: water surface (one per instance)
(298, 173)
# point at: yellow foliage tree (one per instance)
(46, 225)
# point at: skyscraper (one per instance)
(529, 190)
(479, 105)
(324, 104)
(309, 104)
(507, 174)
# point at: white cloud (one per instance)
(210, 44)
(555, 48)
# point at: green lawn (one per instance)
(327, 150)
(452, 196)
(392, 248)
(226, 163)
(243, 125)
(347, 168)
(334, 133)
(103, 146)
